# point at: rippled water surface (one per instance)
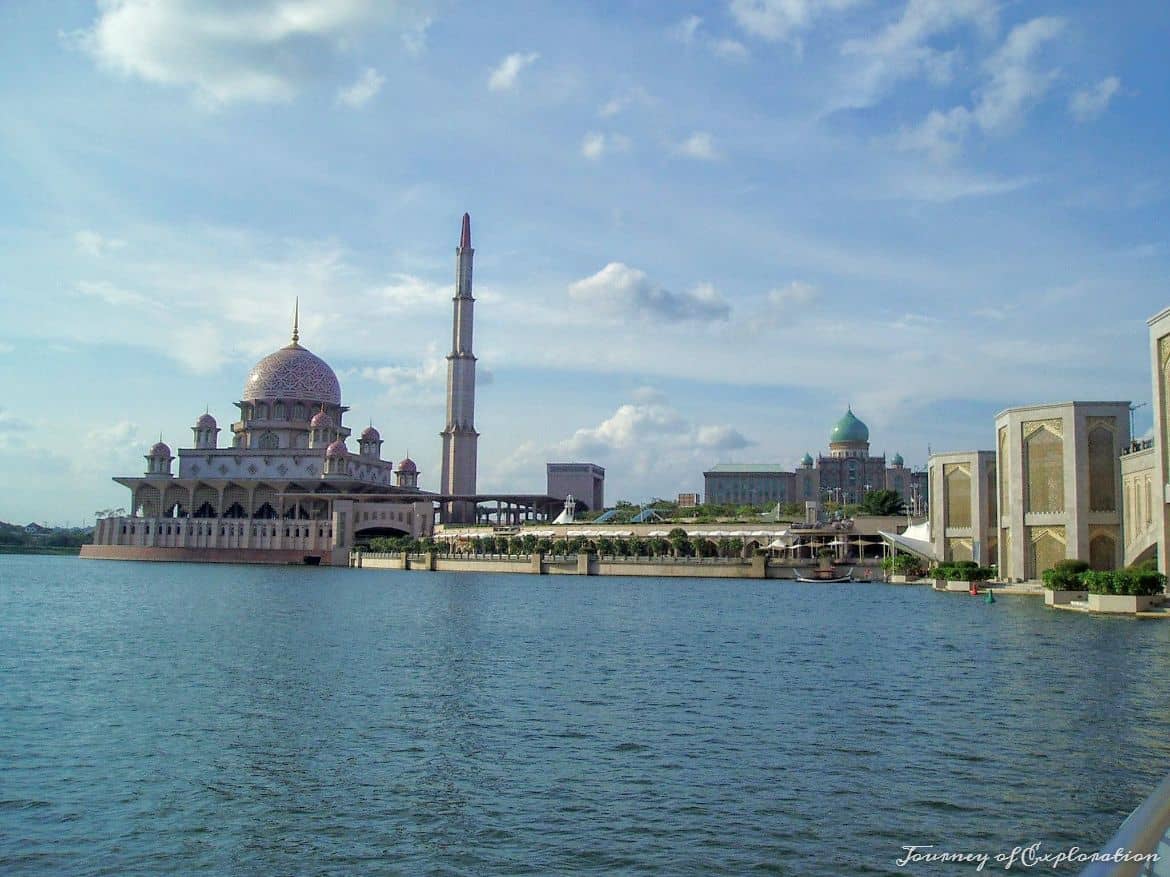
(182, 719)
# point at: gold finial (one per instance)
(296, 320)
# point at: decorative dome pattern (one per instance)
(337, 449)
(897, 460)
(369, 434)
(293, 373)
(849, 429)
(205, 421)
(321, 420)
(160, 449)
(407, 465)
(806, 460)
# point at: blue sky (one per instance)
(701, 229)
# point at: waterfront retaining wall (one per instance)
(278, 556)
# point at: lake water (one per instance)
(183, 719)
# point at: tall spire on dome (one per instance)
(296, 336)
(465, 235)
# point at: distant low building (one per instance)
(688, 500)
(844, 475)
(585, 481)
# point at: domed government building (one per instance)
(844, 475)
(287, 487)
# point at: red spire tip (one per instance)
(465, 235)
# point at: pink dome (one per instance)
(321, 420)
(160, 449)
(337, 449)
(205, 421)
(369, 434)
(293, 373)
(407, 465)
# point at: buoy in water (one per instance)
(990, 597)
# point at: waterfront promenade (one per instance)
(759, 566)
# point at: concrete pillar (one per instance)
(759, 568)
(537, 563)
(583, 564)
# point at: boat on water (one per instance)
(819, 575)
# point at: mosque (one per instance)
(844, 475)
(287, 488)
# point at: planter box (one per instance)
(903, 580)
(1061, 598)
(1114, 603)
(955, 587)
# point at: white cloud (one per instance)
(795, 293)
(624, 291)
(699, 145)
(414, 39)
(1089, 103)
(903, 49)
(596, 144)
(1012, 86)
(408, 293)
(504, 77)
(363, 90)
(113, 295)
(940, 186)
(226, 52)
(686, 30)
(93, 244)
(652, 431)
(424, 382)
(647, 446)
(730, 50)
(781, 20)
(634, 97)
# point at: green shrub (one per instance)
(1065, 576)
(963, 571)
(1124, 582)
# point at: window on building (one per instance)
(1044, 471)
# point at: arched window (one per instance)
(1102, 460)
(278, 411)
(1044, 469)
(298, 411)
(261, 411)
(1102, 552)
(958, 486)
(269, 441)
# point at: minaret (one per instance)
(459, 437)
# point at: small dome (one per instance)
(806, 460)
(407, 465)
(897, 460)
(369, 434)
(337, 449)
(205, 421)
(321, 420)
(160, 449)
(849, 429)
(293, 373)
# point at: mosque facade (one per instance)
(844, 475)
(284, 485)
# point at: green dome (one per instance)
(898, 461)
(806, 460)
(849, 429)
